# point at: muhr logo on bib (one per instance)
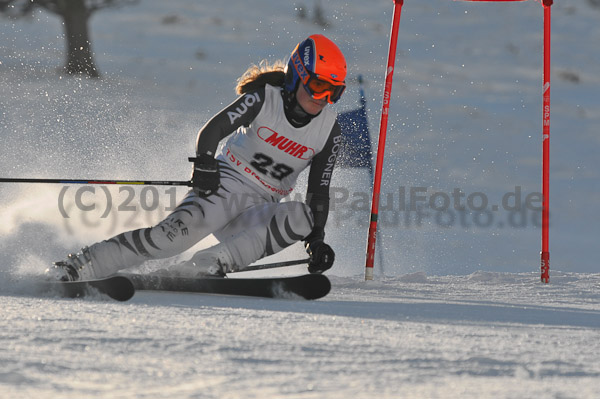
(284, 144)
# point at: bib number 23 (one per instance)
(265, 165)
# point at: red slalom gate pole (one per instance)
(545, 253)
(387, 95)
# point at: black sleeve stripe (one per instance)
(323, 163)
(319, 179)
(239, 113)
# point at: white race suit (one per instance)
(259, 163)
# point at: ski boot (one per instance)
(76, 267)
(211, 262)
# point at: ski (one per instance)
(308, 286)
(119, 288)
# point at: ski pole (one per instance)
(276, 264)
(84, 181)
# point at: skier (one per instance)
(276, 128)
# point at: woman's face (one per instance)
(309, 104)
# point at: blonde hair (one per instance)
(257, 76)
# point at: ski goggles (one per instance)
(319, 88)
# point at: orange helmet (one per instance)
(320, 66)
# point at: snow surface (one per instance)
(456, 310)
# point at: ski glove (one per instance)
(206, 177)
(321, 256)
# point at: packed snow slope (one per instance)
(487, 335)
(456, 310)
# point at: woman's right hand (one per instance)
(206, 177)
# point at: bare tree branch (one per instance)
(75, 15)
